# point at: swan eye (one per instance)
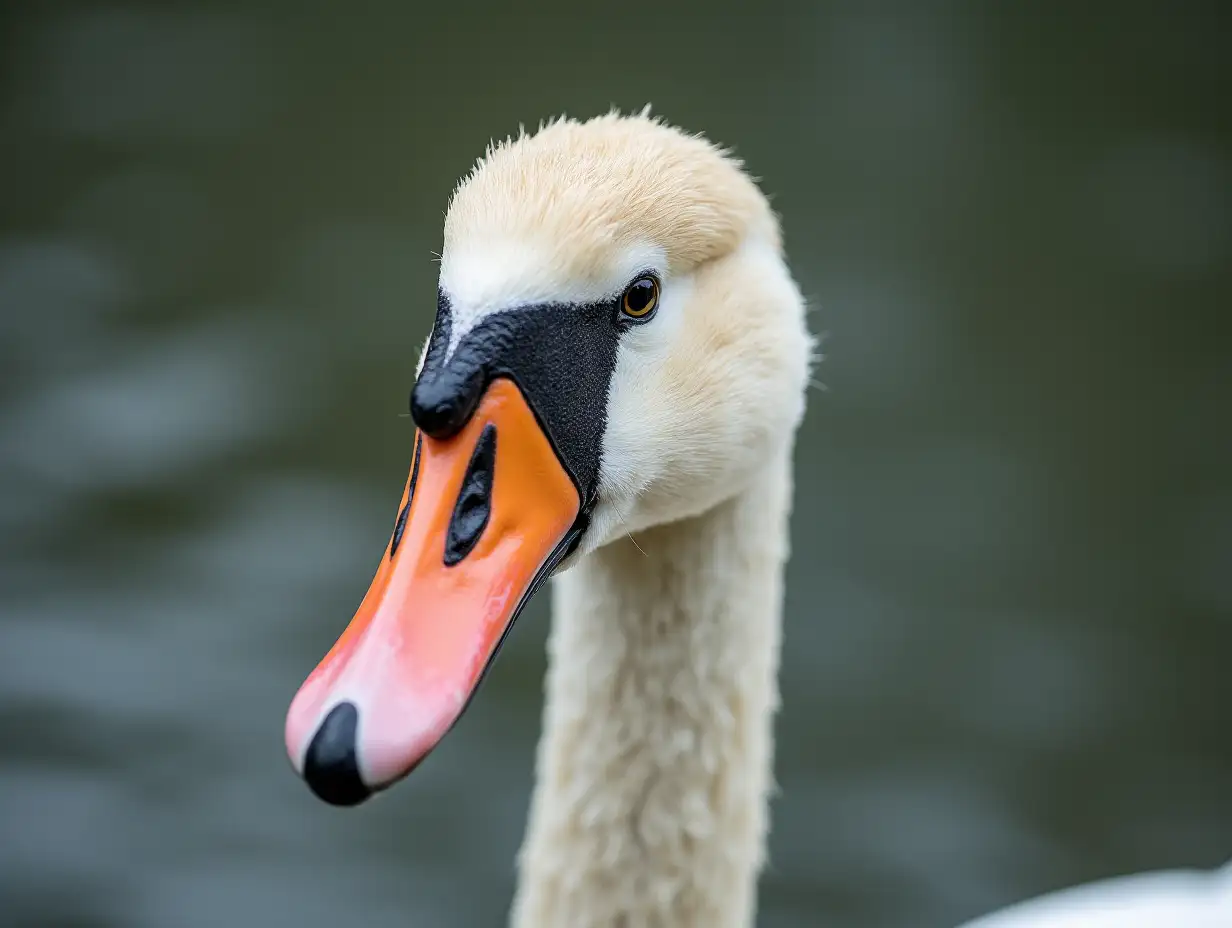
(641, 298)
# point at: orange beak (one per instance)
(486, 516)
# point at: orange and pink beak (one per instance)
(486, 515)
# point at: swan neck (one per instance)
(654, 767)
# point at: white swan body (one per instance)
(620, 350)
(1167, 899)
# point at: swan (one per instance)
(620, 352)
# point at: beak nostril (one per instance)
(474, 504)
(331, 767)
(400, 524)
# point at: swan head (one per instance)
(618, 344)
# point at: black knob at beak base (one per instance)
(331, 768)
(441, 405)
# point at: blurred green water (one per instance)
(1010, 605)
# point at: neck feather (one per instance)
(655, 762)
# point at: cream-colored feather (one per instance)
(655, 764)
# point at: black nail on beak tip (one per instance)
(441, 405)
(331, 768)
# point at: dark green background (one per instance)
(1009, 610)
